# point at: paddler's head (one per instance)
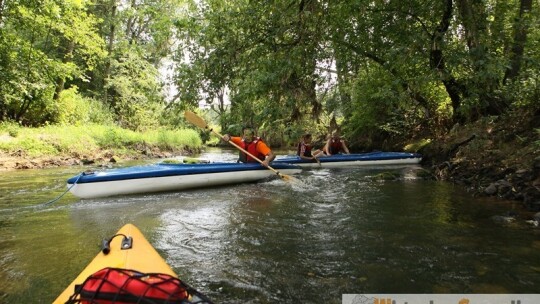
(307, 138)
(248, 134)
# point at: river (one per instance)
(340, 231)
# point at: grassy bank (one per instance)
(90, 140)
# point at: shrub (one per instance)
(74, 109)
(12, 128)
(81, 140)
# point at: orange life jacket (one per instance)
(251, 147)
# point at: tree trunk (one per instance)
(26, 102)
(130, 23)
(221, 109)
(61, 81)
(342, 71)
(110, 45)
(468, 9)
(437, 63)
(316, 107)
(333, 125)
(521, 28)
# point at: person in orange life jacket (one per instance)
(305, 149)
(253, 145)
(335, 145)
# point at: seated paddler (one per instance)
(305, 149)
(252, 144)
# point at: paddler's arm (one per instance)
(302, 156)
(345, 147)
(270, 157)
(303, 151)
(265, 150)
(326, 148)
(234, 139)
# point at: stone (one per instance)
(491, 189)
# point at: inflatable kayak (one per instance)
(169, 177)
(359, 159)
(129, 270)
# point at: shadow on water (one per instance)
(339, 231)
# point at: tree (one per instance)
(32, 63)
(465, 42)
(138, 35)
(265, 55)
(521, 29)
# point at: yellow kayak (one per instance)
(129, 270)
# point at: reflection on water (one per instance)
(338, 231)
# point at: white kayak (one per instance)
(170, 177)
(358, 159)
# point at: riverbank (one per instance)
(103, 158)
(496, 156)
(53, 146)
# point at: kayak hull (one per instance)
(141, 257)
(351, 160)
(169, 177)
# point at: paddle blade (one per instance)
(195, 119)
(288, 178)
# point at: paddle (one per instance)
(318, 161)
(199, 122)
(316, 157)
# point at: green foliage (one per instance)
(99, 113)
(377, 111)
(171, 139)
(135, 88)
(380, 70)
(90, 139)
(75, 109)
(72, 108)
(34, 56)
(115, 137)
(34, 147)
(417, 145)
(11, 128)
(525, 91)
(252, 51)
(48, 140)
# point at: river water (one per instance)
(340, 231)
